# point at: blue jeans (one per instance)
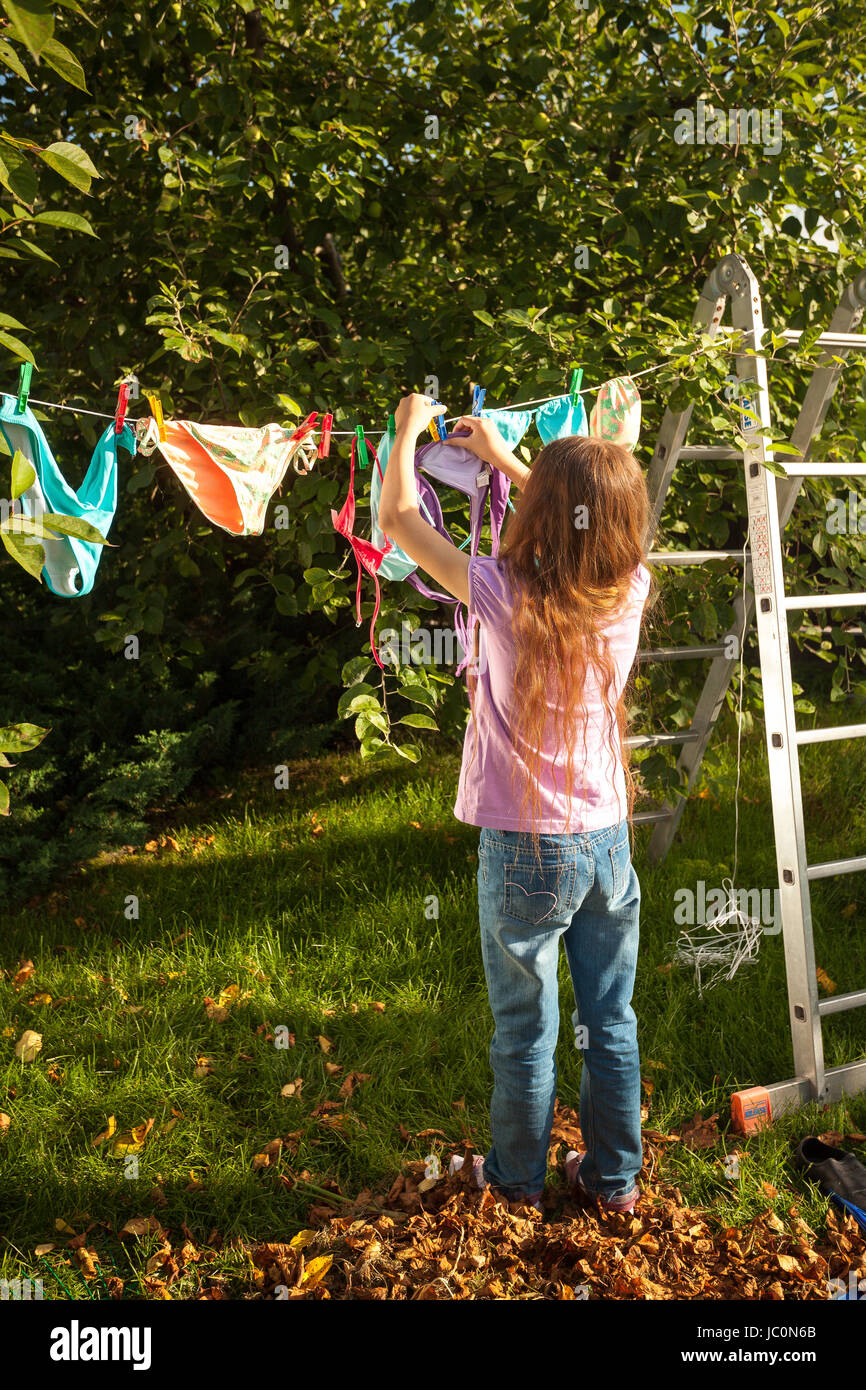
(586, 893)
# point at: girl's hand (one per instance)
(415, 412)
(483, 440)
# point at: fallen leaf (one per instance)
(302, 1239)
(5, 1121)
(217, 1013)
(824, 980)
(43, 1249)
(133, 1141)
(316, 1270)
(333, 1068)
(171, 843)
(293, 1088)
(111, 1126)
(151, 846)
(63, 1227)
(325, 1043)
(355, 1078)
(39, 999)
(28, 1045)
(379, 1008)
(142, 1226)
(769, 1190)
(699, 1133)
(202, 1067)
(23, 973)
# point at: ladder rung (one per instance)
(691, 557)
(709, 451)
(682, 653)
(645, 817)
(837, 1005)
(828, 735)
(837, 866)
(841, 600)
(802, 469)
(658, 740)
(830, 340)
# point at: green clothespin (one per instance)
(392, 428)
(24, 386)
(361, 445)
(576, 379)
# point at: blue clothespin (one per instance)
(437, 426)
(574, 387)
(478, 394)
(24, 386)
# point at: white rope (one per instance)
(709, 947)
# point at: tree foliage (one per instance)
(319, 208)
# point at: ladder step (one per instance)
(841, 600)
(840, 1002)
(837, 866)
(660, 740)
(682, 653)
(709, 451)
(645, 817)
(801, 469)
(691, 557)
(828, 735)
(829, 340)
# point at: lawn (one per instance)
(290, 939)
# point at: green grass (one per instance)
(304, 923)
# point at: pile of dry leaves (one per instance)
(432, 1238)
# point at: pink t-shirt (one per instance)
(486, 795)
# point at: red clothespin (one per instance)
(306, 428)
(122, 401)
(325, 441)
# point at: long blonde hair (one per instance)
(571, 572)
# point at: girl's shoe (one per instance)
(573, 1161)
(478, 1173)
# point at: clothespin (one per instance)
(574, 387)
(437, 426)
(392, 428)
(306, 428)
(361, 446)
(325, 441)
(478, 394)
(120, 409)
(156, 407)
(24, 386)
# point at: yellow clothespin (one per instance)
(156, 407)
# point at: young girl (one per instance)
(545, 776)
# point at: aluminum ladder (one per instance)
(732, 280)
(770, 503)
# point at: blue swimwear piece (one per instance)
(559, 418)
(512, 424)
(70, 564)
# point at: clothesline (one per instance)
(517, 405)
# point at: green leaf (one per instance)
(29, 556)
(72, 221)
(485, 318)
(73, 526)
(16, 175)
(355, 670)
(407, 751)
(23, 474)
(345, 702)
(7, 321)
(34, 250)
(4, 799)
(419, 693)
(20, 738)
(61, 60)
(419, 721)
(13, 62)
(316, 576)
(71, 162)
(32, 22)
(15, 345)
